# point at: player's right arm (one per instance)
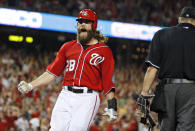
(54, 70)
(43, 80)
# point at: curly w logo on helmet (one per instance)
(84, 13)
(96, 59)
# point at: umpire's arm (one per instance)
(153, 61)
(148, 79)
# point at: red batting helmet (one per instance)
(89, 15)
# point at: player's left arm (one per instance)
(111, 100)
(108, 85)
(111, 109)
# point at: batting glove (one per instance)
(111, 113)
(24, 87)
(144, 112)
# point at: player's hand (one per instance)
(24, 87)
(111, 113)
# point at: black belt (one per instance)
(79, 90)
(175, 81)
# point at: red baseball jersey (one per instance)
(92, 67)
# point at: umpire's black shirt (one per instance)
(172, 51)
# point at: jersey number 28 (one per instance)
(70, 65)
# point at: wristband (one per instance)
(112, 103)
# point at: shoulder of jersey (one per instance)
(164, 31)
(107, 48)
(103, 44)
(167, 29)
(68, 44)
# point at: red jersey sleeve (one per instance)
(108, 72)
(57, 66)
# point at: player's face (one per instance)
(84, 30)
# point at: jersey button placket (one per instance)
(78, 72)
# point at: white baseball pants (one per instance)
(74, 111)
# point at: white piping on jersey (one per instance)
(84, 61)
(153, 64)
(77, 64)
(51, 73)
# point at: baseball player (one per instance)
(87, 65)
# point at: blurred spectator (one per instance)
(22, 123)
(12, 3)
(34, 124)
(3, 122)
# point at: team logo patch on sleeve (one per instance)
(96, 59)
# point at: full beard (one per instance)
(84, 39)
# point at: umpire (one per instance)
(172, 55)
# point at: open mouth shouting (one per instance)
(83, 30)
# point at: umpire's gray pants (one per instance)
(180, 104)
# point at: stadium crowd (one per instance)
(31, 112)
(152, 12)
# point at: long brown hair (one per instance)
(100, 37)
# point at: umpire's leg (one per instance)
(168, 121)
(185, 107)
